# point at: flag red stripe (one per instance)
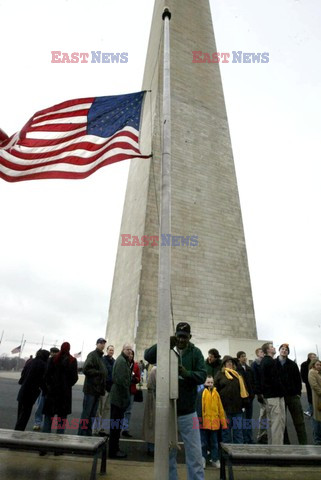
(87, 146)
(53, 116)
(69, 175)
(31, 142)
(68, 103)
(56, 127)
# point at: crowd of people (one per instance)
(215, 401)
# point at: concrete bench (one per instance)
(52, 442)
(268, 455)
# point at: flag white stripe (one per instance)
(65, 167)
(13, 140)
(85, 138)
(54, 135)
(82, 119)
(81, 153)
(74, 108)
(44, 135)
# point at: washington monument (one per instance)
(210, 282)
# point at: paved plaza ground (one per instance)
(138, 466)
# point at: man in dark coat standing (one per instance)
(119, 399)
(262, 436)
(213, 363)
(273, 393)
(94, 386)
(247, 373)
(291, 381)
(31, 381)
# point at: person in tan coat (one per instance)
(315, 383)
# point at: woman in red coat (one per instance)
(133, 389)
(61, 376)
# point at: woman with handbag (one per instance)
(315, 383)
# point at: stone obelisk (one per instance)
(210, 281)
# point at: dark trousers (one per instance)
(247, 427)
(89, 411)
(24, 412)
(293, 404)
(116, 423)
(61, 421)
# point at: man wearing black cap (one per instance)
(191, 373)
(213, 362)
(291, 380)
(95, 385)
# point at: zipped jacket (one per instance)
(195, 374)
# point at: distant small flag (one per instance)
(16, 350)
(74, 139)
(77, 355)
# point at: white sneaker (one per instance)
(217, 464)
(204, 462)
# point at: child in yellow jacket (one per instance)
(211, 418)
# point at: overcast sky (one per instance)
(59, 238)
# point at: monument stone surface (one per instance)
(210, 281)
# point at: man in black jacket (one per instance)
(247, 373)
(31, 381)
(256, 368)
(291, 381)
(273, 394)
(94, 386)
(213, 363)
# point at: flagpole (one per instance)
(161, 465)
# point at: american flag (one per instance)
(16, 350)
(74, 139)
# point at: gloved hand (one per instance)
(182, 371)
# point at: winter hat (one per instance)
(226, 358)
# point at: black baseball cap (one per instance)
(101, 340)
(183, 329)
